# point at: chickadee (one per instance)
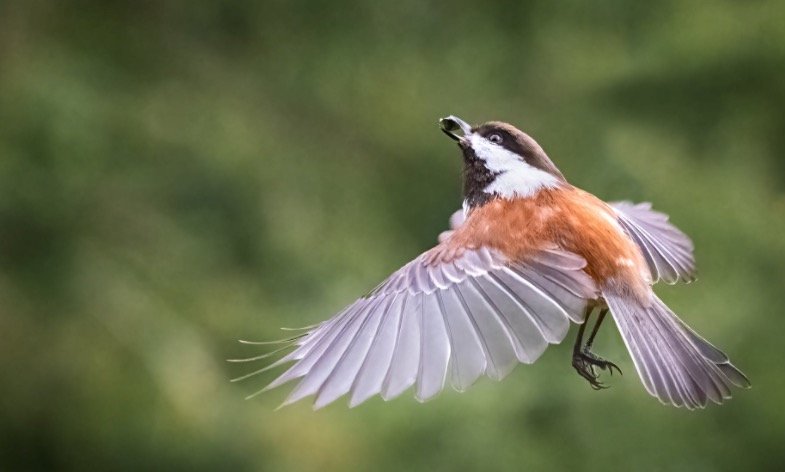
(528, 254)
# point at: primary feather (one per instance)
(433, 322)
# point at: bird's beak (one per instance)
(451, 124)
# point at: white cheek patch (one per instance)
(516, 178)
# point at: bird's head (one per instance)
(500, 161)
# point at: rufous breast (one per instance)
(565, 217)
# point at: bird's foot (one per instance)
(595, 360)
(584, 362)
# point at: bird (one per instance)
(527, 255)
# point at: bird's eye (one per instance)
(495, 138)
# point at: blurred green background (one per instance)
(177, 175)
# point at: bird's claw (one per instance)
(584, 362)
(595, 360)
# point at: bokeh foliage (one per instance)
(176, 175)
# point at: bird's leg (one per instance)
(580, 362)
(591, 358)
(600, 319)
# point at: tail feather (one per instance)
(675, 363)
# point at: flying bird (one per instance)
(528, 254)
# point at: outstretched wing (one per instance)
(667, 250)
(434, 320)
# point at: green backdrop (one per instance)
(177, 175)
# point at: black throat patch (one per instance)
(476, 177)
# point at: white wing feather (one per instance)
(434, 322)
(667, 251)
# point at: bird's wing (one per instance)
(666, 249)
(438, 320)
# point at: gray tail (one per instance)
(675, 363)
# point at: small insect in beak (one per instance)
(451, 124)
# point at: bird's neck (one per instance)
(483, 187)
